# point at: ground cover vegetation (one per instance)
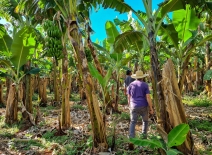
(61, 93)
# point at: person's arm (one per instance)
(149, 100)
(128, 98)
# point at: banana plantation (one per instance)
(62, 92)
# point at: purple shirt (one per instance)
(138, 90)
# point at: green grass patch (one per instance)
(197, 101)
(78, 107)
(200, 124)
(125, 116)
(30, 143)
(8, 131)
(75, 97)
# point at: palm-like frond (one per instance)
(128, 39)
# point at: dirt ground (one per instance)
(18, 143)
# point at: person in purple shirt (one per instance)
(140, 103)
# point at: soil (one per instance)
(79, 132)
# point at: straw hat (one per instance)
(139, 75)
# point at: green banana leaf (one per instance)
(103, 81)
(117, 56)
(169, 34)
(5, 39)
(128, 39)
(184, 21)
(173, 152)
(178, 135)
(99, 47)
(95, 73)
(208, 75)
(170, 6)
(5, 62)
(118, 5)
(145, 142)
(23, 45)
(111, 32)
(106, 45)
(107, 78)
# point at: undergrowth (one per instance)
(201, 101)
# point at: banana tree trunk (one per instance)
(2, 103)
(156, 83)
(108, 103)
(42, 92)
(117, 94)
(27, 94)
(8, 83)
(11, 115)
(197, 73)
(184, 69)
(98, 126)
(66, 119)
(21, 91)
(208, 64)
(174, 106)
(55, 83)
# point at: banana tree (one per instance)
(22, 46)
(70, 14)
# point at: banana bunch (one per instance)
(53, 43)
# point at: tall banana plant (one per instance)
(23, 44)
(70, 14)
(182, 37)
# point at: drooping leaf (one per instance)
(95, 73)
(177, 135)
(145, 142)
(126, 40)
(173, 152)
(111, 31)
(23, 45)
(170, 6)
(169, 34)
(5, 39)
(206, 38)
(5, 63)
(208, 75)
(99, 47)
(118, 5)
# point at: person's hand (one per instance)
(151, 111)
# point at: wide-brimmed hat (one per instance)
(139, 75)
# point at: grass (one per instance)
(198, 101)
(75, 97)
(78, 107)
(200, 124)
(125, 116)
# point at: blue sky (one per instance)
(99, 18)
